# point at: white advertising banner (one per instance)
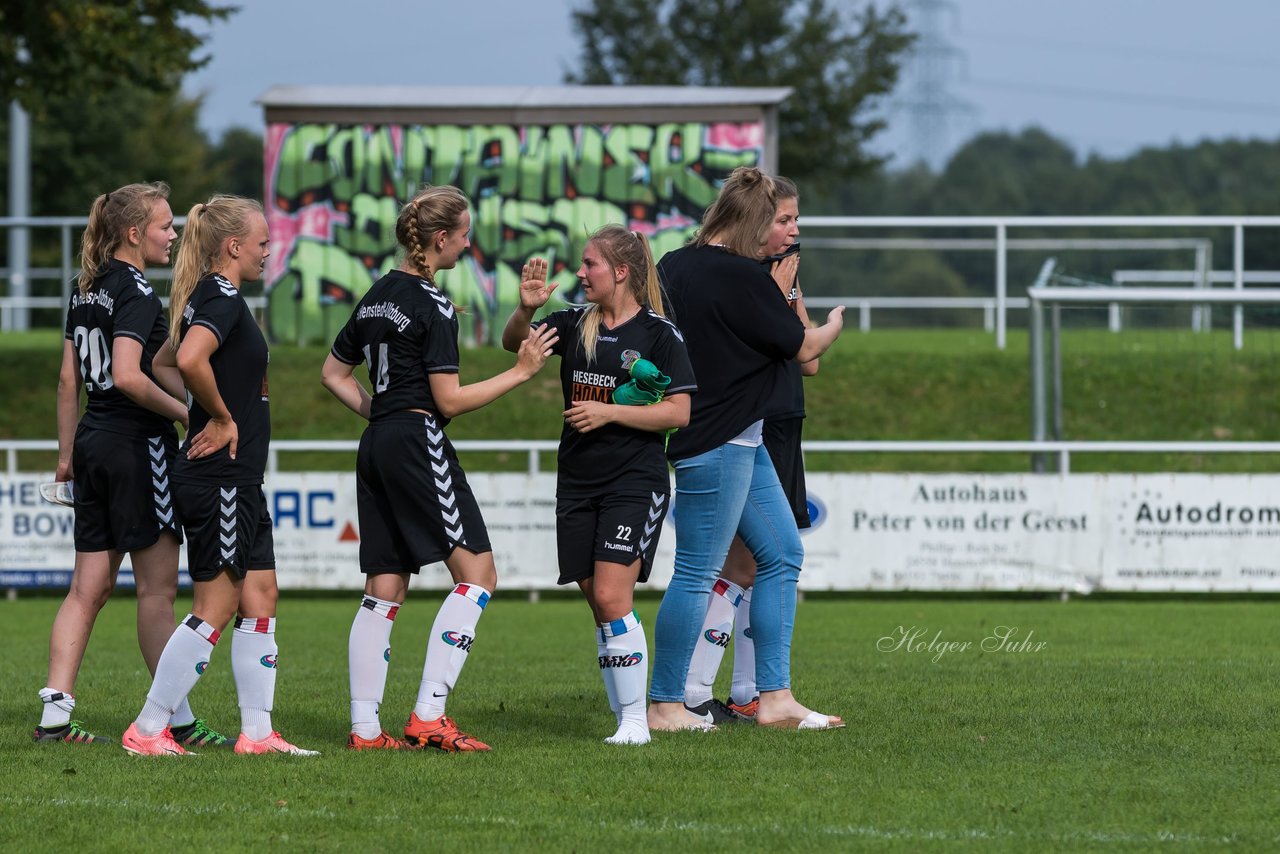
(1001, 532)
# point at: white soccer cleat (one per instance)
(59, 492)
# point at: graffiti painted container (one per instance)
(543, 166)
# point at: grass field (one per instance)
(887, 384)
(1137, 725)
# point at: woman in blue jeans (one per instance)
(740, 336)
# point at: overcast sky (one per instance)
(1107, 76)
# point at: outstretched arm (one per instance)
(818, 339)
(453, 399)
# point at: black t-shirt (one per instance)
(120, 302)
(740, 333)
(614, 458)
(240, 369)
(791, 392)
(404, 328)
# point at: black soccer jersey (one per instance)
(403, 329)
(120, 302)
(240, 369)
(614, 458)
(741, 336)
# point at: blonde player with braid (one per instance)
(414, 502)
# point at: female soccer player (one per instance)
(120, 454)
(729, 606)
(414, 502)
(612, 486)
(222, 356)
(741, 335)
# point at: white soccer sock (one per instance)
(610, 690)
(717, 628)
(451, 637)
(253, 664)
(58, 706)
(182, 715)
(184, 659)
(743, 690)
(626, 662)
(368, 656)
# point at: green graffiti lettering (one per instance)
(303, 174)
(626, 173)
(491, 161)
(294, 309)
(372, 229)
(535, 190)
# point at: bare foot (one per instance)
(781, 709)
(673, 717)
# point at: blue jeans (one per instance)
(730, 490)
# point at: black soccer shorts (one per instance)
(228, 527)
(123, 496)
(616, 527)
(414, 502)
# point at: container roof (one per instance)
(515, 97)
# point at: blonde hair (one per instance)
(110, 217)
(740, 217)
(208, 225)
(618, 246)
(434, 208)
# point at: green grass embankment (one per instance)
(917, 385)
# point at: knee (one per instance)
(91, 596)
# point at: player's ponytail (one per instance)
(208, 226)
(740, 217)
(110, 217)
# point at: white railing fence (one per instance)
(827, 233)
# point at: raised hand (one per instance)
(534, 290)
(535, 349)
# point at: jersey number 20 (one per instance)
(95, 358)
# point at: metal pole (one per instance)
(1035, 335)
(1237, 317)
(1055, 356)
(1002, 284)
(19, 206)
(66, 265)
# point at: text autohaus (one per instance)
(1005, 639)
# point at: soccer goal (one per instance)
(1069, 349)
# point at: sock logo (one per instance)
(201, 666)
(386, 654)
(716, 637)
(746, 633)
(458, 639)
(621, 660)
(268, 661)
